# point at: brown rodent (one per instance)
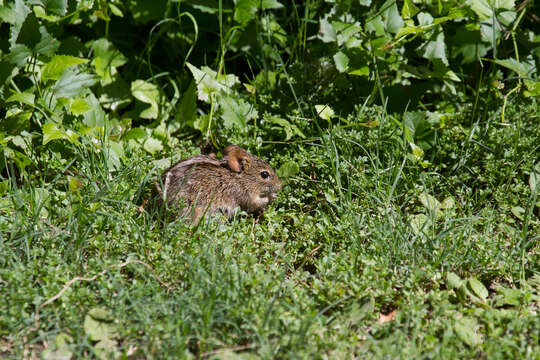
(205, 185)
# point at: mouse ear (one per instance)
(237, 158)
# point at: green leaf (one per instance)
(435, 48)
(513, 297)
(41, 14)
(60, 350)
(106, 59)
(202, 123)
(270, 4)
(20, 159)
(98, 325)
(209, 82)
(8, 13)
(236, 113)
(4, 186)
(469, 45)
(135, 133)
(477, 288)
(345, 33)
(534, 181)
(152, 145)
(115, 94)
(363, 71)
(7, 71)
(408, 10)
(429, 202)
(533, 88)
(28, 34)
(52, 131)
(518, 212)
(520, 68)
(57, 7)
(56, 66)
(79, 106)
(485, 8)
(19, 54)
(147, 12)
(106, 349)
(324, 111)
(71, 83)
(74, 184)
(290, 129)
(26, 97)
(453, 280)
(95, 117)
(328, 34)
(420, 223)
(245, 10)
(448, 203)
(47, 45)
(392, 19)
(147, 93)
(288, 169)
(466, 330)
(342, 61)
(417, 152)
(115, 10)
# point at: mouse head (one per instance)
(259, 178)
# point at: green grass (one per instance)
(408, 225)
(347, 240)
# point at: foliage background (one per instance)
(407, 132)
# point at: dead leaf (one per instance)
(141, 208)
(388, 317)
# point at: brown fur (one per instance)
(204, 184)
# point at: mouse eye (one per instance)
(265, 174)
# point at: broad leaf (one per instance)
(57, 7)
(26, 97)
(209, 82)
(56, 66)
(477, 288)
(521, 68)
(435, 48)
(52, 131)
(99, 325)
(72, 83)
(290, 129)
(327, 32)
(79, 106)
(466, 330)
(409, 9)
(324, 111)
(153, 145)
(342, 61)
(106, 59)
(149, 94)
(288, 169)
(47, 45)
(28, 34)
(392, 19)
(485, 8)
(245, 10)
(236, 113)
(429, 202)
